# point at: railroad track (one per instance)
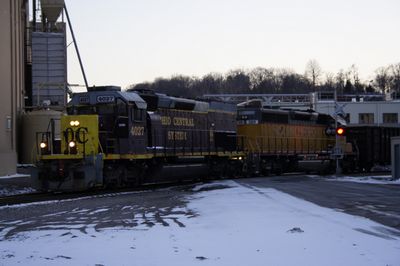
(40, 197)
(58, 196)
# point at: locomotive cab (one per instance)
(100, 126)
(121, 118)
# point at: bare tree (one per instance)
(211, 83)
(329, 81)
(395, 77)
(237, 81)
(313, 72)
(382, 78)
(275, 80)
(263, 80)
(340, 81)
(354, 78)
(257, 76)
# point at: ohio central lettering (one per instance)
(177, 121)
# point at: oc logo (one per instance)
(79, 135)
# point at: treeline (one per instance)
(277, 80)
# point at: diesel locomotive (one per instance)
(287, 140)
(113, 138)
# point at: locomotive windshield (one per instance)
(100, 109)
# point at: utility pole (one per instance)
(76, 47)
(337, 150)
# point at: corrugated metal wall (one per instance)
(49, 75)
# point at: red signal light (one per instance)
(340, 131)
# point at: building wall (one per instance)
(12, 26)
(49, 68)
(354, 109)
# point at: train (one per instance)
(288, 140)
(372, 144)
(114, 138)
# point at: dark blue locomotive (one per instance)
(115, 138)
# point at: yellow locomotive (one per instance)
(287, 140)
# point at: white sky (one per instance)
(131, 41)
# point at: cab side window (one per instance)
(137, 115)
(122, 109)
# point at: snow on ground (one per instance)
(233, 225)
(12, 176)
(11, 185)
(13, 190)
(381, 179)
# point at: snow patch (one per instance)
(236, 225)
(382, 179)
(9, 191)
(13, 176)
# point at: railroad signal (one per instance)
(340, 131)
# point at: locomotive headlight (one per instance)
(43, 145)
(74, 123)
(72, 144)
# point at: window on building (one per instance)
(390, 118)
(366, 118)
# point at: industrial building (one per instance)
(33, 75)
(367, 109)
(373, 109)
(13, 22)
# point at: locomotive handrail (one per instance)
(100, 146)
